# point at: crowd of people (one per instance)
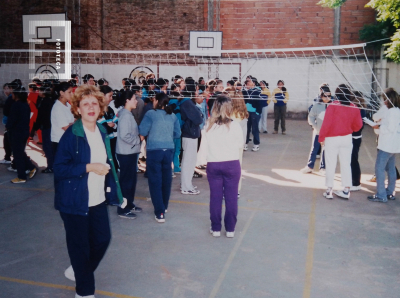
(96, 140)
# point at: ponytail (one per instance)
(162, 103)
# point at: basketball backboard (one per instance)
(205, 43)
(41, 26)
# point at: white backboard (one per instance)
(41, 30)
(205, 43)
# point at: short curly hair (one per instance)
(84, 91)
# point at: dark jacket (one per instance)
(43, 120)
(109, 117)
(363, 115)
(70, 176)
(192, 118)
(255, 98)
(18, 120)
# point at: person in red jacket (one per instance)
(341, 119)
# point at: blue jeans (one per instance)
(47, 147)
(127, 179)
(314, 152)
(158, 166)
(385, 162)
(87, 240)
(177, 152)
(252, 126)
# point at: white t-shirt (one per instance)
(97, 155)
(223, 143)
(61, 116)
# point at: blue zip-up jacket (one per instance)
(176, 104)
(70, 176)
(192, 118)
(161, 129)
(254, 98)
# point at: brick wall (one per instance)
(165, 24)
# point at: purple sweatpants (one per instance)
(223, 178)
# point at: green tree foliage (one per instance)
(388, 24)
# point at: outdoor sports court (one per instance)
(290, 241)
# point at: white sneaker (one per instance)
(328, 194)
(79, 296)
(306, 170)
(355, 188)
(342, 194)
(5, 162)
(322, 172)
(215, 233)
(190, 192)
(230, 234)
(69, 273)
(11, 169)
(245, 148)
(255, 148)
(160, 219)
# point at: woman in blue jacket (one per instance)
(161, 127)
(83, 170)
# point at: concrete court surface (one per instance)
(290, 241)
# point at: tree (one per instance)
(388, 16)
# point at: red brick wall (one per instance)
(165, 24)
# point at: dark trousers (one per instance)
(158, 165)
(113, 144)
(21, 160)
(355, 165)
(54, 146)
(127, 179)
(280, 114)
(7, 146)
(87, 240)
(315, 148)
(223, 178)
(252, 126)
(47, 147)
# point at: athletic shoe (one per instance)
(328, 194)
(17, 180)
(166, 210)
(342, 194)
(306, 170)
(245, 148)
(355, 188)
(69, 273)
(318, 156)
(10, 168)
(79, 296)
(374, 198)
(322, 172)
(230, 234)
(255, 148)
(373, 179)
(47, 171)
(283, 132)
(127, 215)
(391, 197)
(190, 192)
(275, 132)
(215, 233)
(265, 131)
(160, 218)
(32, 173)
(136, 209)
(195, 187)
(201, 167)
(197, 175)
(5, 161)
(173, 175)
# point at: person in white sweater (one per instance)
(388, 146)
(223, 139)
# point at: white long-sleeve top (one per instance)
(389, 131)
(377, 117)
(223, 143)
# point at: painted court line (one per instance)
(228, 263)
(310, 248)
(61, 287)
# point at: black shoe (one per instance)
(374, 198)
(136, 209)
(160, 218)
(127, 215)
(47, 171)
(391, 197)
(197, 175)
(265, 131)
